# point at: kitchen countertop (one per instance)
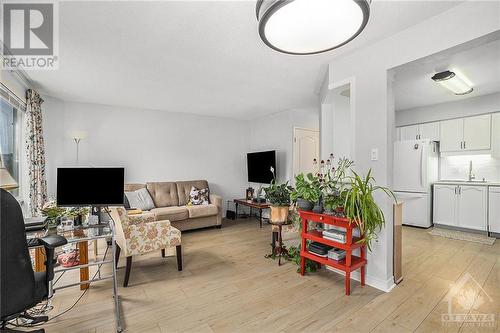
(466, 183)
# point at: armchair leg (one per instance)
(117, 255)
(127, 271)
(163, 253)
(179, 257)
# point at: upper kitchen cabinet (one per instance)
(420, 132)
(477, 132)
(495, 135)
(466, 134)
(452, 134)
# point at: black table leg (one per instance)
(236, 209)
(260, 217)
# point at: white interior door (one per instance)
(445, 202)
(305, 150)
(477, 132)
(452, 134)
(472, 211)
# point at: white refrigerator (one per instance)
(416, 168)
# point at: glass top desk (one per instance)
(81, 237)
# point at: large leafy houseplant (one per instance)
(307, 191)
(278, 196)
(360, 206)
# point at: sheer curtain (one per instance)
(35, 152)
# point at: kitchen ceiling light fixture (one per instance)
(453, 82)
(310, 26)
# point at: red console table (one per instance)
(350, 262)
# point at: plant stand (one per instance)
(350, 263)
(279, 250)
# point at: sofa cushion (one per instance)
(140, 199)
(202, 211)
(164, 194)
(170, 213)
(184, 188)
(198, 196)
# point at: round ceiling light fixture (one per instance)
(310, 26)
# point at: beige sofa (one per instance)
(171, 198)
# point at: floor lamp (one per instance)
(78, 136)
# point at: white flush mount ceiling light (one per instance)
(453, 82)
(310, 26)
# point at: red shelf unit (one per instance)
(350, 262)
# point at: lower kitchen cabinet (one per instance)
(494, 209)
(463, 206)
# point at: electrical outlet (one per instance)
(374, 154)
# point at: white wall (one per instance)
(467, 107)
(275, 132)
(151, 145)
(371, 93)
(457, 167)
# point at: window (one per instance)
(10, 139)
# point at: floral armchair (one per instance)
(140, 234)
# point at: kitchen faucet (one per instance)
(471, 175)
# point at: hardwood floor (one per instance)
(228, 286)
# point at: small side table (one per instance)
(279, 250)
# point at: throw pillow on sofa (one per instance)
(140, 199)
(198, 197)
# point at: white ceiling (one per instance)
(202, 57)
(413, 86)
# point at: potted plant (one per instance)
(306, 192)
(78, 214)
(278, 196)
(332, 181)
(360, 206)
(53, 213)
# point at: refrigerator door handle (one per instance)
(422, 166)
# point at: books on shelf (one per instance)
(336, 254)
(335, 235)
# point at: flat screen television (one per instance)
(90, 186)
(259, 166)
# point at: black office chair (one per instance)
(21, 288)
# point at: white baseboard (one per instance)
(385, 286)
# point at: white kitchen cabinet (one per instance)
(429, 131)
(452, 133)
(494, 209)
(472, 207)
(445, 201)
(409, 132)
(466, 134)
(495, 135)
(477, 132)
(463, 206)
(420, 132)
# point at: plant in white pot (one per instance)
(278, 195)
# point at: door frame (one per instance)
(295, 128)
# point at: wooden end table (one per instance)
(252, 204)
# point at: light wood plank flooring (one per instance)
(228, 286)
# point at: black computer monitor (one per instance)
(90, 186)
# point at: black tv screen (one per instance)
(90, 186)
(259, 166)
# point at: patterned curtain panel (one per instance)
(36, 152)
